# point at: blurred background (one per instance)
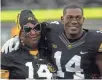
(46, 10)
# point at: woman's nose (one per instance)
(33, 32)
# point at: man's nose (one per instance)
(74, 22)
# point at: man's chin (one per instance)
(73, 32)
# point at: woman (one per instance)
(28, 62)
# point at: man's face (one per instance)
(31, 34)
(73, 21)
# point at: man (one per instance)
(77, 49)
(27, 62)
(76, 52)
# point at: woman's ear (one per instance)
(21, 36)
(62, 18)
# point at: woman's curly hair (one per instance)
(45, 46)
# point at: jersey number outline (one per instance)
(40, 72)
(74, 60)
(54, 22)
(99, 31)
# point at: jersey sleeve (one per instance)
(4, 74)
(100, 47)
(6, 61)
(96, 40)
(100, 41)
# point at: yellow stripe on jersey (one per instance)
(100, 48)
(4, 74)
(35, 52)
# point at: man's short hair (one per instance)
(71, 7)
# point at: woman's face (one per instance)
(31, 34)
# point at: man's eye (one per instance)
(70, 17)
(78, 17)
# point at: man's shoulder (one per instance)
(94, 37)
(56, 26)
(96, 34)
(55, 22)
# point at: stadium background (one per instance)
(46, 10)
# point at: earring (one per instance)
(22, 42)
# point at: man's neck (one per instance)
(74, 36)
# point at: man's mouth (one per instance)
(74, 26)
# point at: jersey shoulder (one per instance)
(56, 26)
(14, 55)
(9, 56)
(95, 35)
(94, 39)
(7, 60)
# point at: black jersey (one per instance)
(22, 65)
(75, 60)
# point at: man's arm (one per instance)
(99, 59)
(99, 62)
(11, 45)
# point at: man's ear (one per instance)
(83, 19)
(62, 18)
